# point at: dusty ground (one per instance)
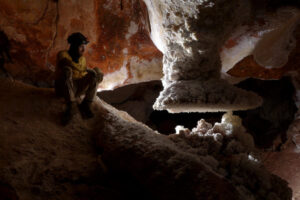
(39, 158)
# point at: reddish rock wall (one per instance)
(117, 30)
(247, 67)
(30, 27)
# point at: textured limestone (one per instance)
(42, 160)
(30, 27)
(190, 34)
(247, 67)
(208, 158)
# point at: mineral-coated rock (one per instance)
(247, 67)
(191, 34)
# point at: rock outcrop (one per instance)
(42, 160)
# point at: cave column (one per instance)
(190, 34)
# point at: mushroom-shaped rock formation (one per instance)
(191, 35)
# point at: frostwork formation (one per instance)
(191, 34)
(209, 162)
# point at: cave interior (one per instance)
(199, 100)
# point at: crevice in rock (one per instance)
(53, 37)
(36, 22)
(269, 123)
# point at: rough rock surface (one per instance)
(223, 150)
(117, 30)
(42, 160)
(248, 67)
(120, 44)
(268, 124)
(135, 99)
(37, 30)
(285, 164)
(191, 34)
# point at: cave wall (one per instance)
(117, 31)
(120, 40)
(248, 67)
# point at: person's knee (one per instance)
(95, 75)
(99, 74)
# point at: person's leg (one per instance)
(88, 86)
(67, 88)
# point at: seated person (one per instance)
(74, 79)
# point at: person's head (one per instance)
(77, 43)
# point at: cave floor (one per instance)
(40, 159)
(285, 164)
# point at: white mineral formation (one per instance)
(191, 164)
(270, 30)
(279, 41)
(214, 144)
(190, 34)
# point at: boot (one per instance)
(85, 109)
(69, 113)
